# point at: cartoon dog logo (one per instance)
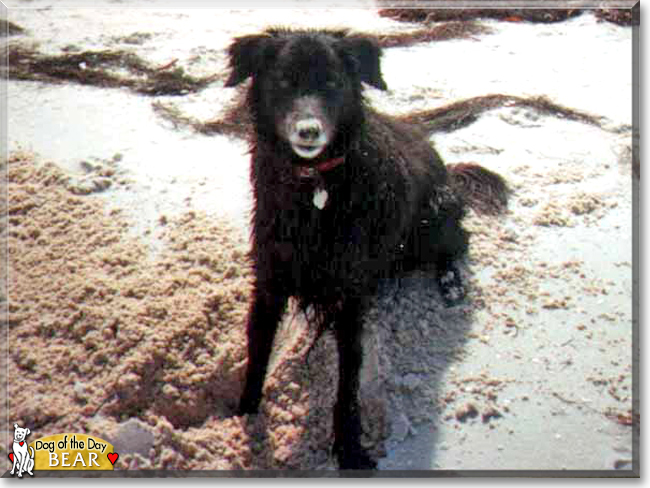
(20, 455)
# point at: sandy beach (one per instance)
(127, 238)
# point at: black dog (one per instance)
(344, 196)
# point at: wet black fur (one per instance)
(391, 206)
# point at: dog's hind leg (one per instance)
(265, 314)
(30, 462)
(452, 245)
(347, 422)
(442, 242)
(450, 283)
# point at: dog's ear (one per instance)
(248, 55)
(27, 432)
(364, 53)
(15, 426)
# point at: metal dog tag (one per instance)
(320, 198)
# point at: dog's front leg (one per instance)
(265, 314)
(21, 466)
(347, 421)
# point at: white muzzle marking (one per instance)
(308, 138)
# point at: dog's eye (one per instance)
(333, 84)
(284, 83)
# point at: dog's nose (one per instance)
(309, 130)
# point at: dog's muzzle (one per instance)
(308, 138)
(307, 127)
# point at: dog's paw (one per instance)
(248, 406)
(360, 461)
(355, 458)
(451, 286)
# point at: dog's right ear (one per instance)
(365, 53)
(248, 55)
(15, 426)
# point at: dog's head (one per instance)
(20, 433)
(306, 84)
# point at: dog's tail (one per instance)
(483, 190)
(30, 447)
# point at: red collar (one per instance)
(325, 166)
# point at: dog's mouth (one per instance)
(307, 151)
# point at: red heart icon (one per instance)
(112, 457)
(21, 442)
(11, 457)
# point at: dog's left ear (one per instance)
(28, 432)
(365, 54)
(248, 56)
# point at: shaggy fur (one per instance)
(390, 203)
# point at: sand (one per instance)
(104, 334)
